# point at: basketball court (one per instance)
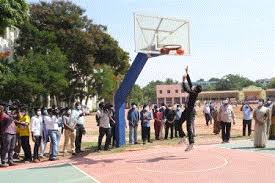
(234, 162)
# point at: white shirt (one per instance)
(226, 114)
(206, 109)
(36, 125)
(77, 118)
(49, 123)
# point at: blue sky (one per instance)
(227, 36)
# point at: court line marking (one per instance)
(191, 171)
(254, 151)
(92, 178)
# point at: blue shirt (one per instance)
(145, 117)
(247, 113)
(133, 116)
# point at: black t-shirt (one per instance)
(170, 114)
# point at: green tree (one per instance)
(136, 96)
(86, 45)
(272, 83)
(233, 82)
(13, 13)
(36, 75)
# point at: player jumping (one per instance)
(188, 113)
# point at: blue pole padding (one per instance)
(122, 93)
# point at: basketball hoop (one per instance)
(165, 50)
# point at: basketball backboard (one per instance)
(161, 35)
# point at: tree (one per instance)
(13, 13)
(233, 82)
(136, 96)
(36, 75)
(272, 83)
(86, 45)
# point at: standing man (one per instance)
(247, 117)
(24, 132)
(190, 116)
(177, 121)
(8, 138)
(163, 120)
(145, 117)
(104, 127)
(78, 117)
(170, 119)
(207, 113)
(226, 116)
(36, 131)
(269, 106)
(157, 122)
(133, 118)
(69, 126)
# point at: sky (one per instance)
(227, 36)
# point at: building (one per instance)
(7, 42)
(219, 95)
(270, 93)
(170, 94)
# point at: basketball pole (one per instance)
(122, 94)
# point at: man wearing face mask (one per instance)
(24, 133)
(226, 116)
(8, 131)
(69, 126)
(78, 117)
(163, 119)
(170, 118)
(36, 131)
(145, 117)
(247, 117)
(133, 118)
(268, 104)
(189, 113)
(261, 116)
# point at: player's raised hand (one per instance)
(186, 70)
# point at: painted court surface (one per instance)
(236, 162)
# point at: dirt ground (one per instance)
(204, 134)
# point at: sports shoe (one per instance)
(189, 148)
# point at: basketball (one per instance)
(180, 52)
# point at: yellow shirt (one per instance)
(24, 130)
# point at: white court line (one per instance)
(84, 173)
(190, 171)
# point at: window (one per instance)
(177, 91)
(160, 101)
(160, 91)
(169, 101)
(168, 91)
(177, 100)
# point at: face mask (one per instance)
(134, 106)
(178, 108)
(38, 113)
(78, 107)
(269, 102)
(260, 104)
(69, 112)
(146, 108)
